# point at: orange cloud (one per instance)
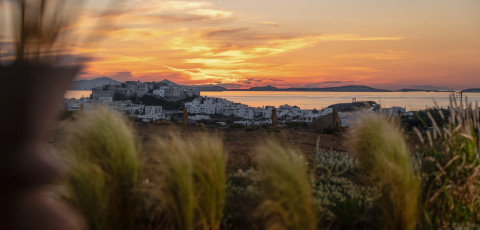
(205, 42)
(272, 24)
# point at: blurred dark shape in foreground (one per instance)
(31, 89)
(28, 110)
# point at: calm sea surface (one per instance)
(310, 100)
(318, 100)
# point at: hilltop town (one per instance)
(165, 100)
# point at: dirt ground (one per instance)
(240, 144)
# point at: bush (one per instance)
(236, 126)
(249, 128)
(386, 165)
(104, 170)
(343, 202)
(451, 169)
(243, 196)
(298, 125)
(421, 119)
(286, 188)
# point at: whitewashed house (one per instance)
(159, 92)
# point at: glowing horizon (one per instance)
(304, 43)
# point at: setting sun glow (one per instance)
(283, 43)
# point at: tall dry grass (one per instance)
(386, 165)
(192, 188)
(451, 168)
(285, 187)
(104, 170)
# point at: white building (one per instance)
(105, 100)
(153, 110)
(159, 92)
(244, 113)
(267, 111)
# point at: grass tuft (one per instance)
(286, 189)
(193, 187)
(104, 172)
(386, 165)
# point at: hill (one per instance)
(168, 83)
(89, 84)
(264, 88)
(347, 88)
(209, 88)
(472, 90)
(415, 90)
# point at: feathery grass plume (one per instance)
(104, 170)
(209, 169)
(384, 159)
(176, 189)
(43, 30)
(286, 188)
(193, 187)
(451, 168)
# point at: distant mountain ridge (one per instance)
(347, 88)
(211, 88)
(89, 84)
(92, 83)
(416, 90)
(472, 90)
(264, 88)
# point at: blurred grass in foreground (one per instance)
(193, 181)
(285, 187)
(105, 170)
(386, 165)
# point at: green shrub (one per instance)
(285, 187)
(343, 202)
(236, 126)
(104, 170)
(298, 125)
(386, 165)
(451, 169)
(243, 196)
(252, 127)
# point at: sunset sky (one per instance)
(287, 43)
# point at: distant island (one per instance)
(90, 84)
(212, 88)
(264, 88)
(348, 88)
(473, 90)
(415, 90)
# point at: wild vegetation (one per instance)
(182, 182)
(285, 187)
(385, 165)
(104, 170)
(451, 168)
(191, 181)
